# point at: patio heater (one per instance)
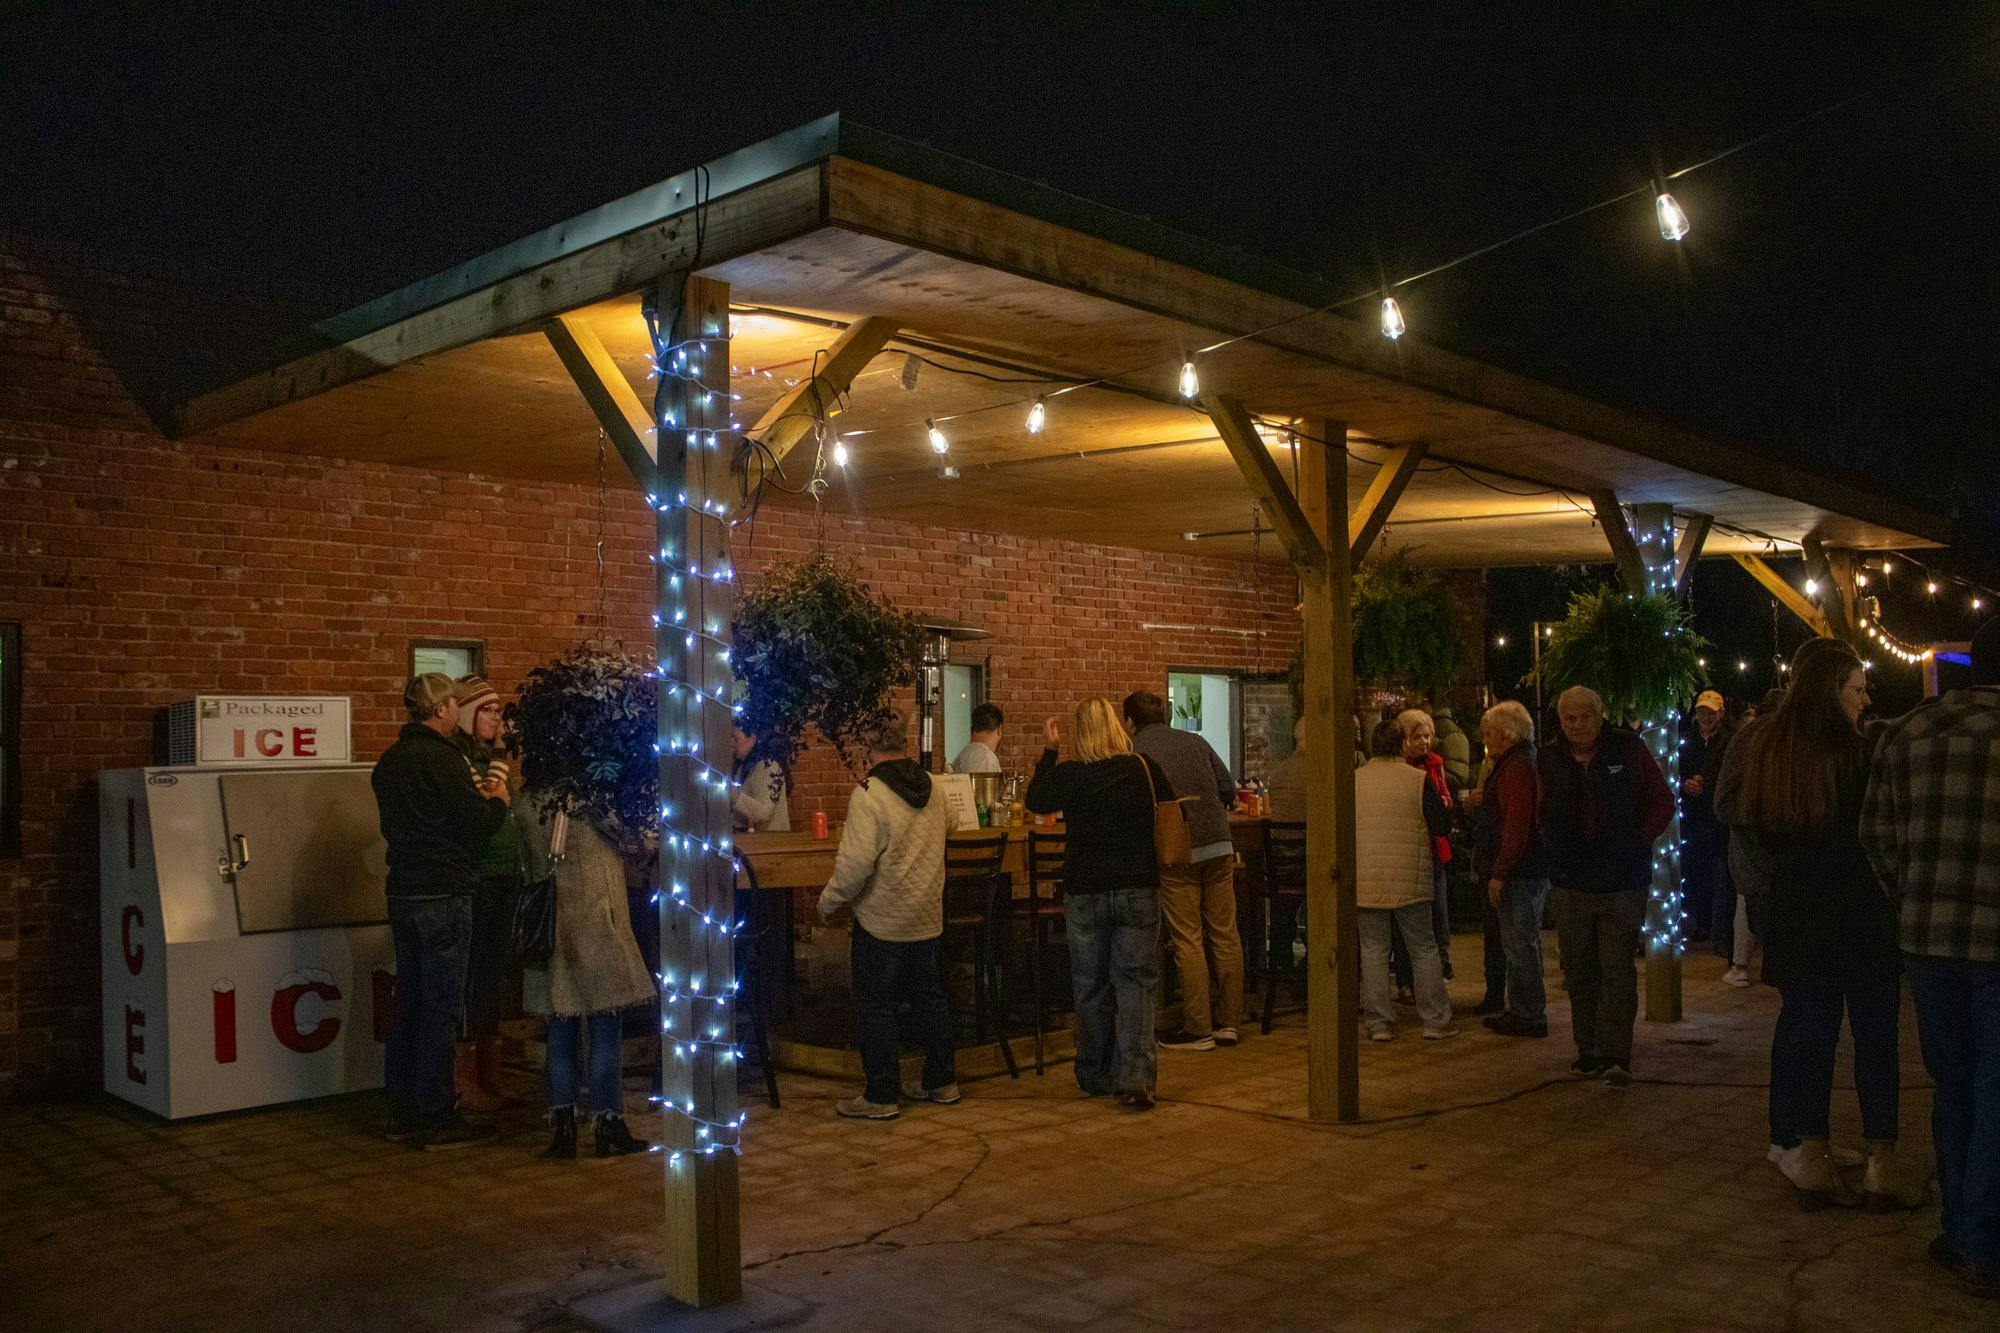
(939, 635)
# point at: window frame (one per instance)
(476, 654)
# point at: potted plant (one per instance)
(814, 647)
(586, 721)
(1637, 652)
(1406, 636)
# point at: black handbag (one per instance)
(535, 909)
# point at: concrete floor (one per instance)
(1484, 1190)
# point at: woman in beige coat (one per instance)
(593, 976)
(1397, 813)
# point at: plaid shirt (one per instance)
(1931, 824)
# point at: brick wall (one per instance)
(143, 570)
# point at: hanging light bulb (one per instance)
(1190, 382)
(1500, 642)
(1812, 587)
(1673, 218)
(1742, 666)
(1931, 587)
(1038, 416)
(939, 444)
(1860, 580)
(1393, 326)
(1978, 602)
(840, 453)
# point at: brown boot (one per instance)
(488, 1066)
(465, 1077)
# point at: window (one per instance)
(964, 690)
(10, 739)
(1207, 705)
(451, 657)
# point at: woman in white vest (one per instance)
(1397, 811)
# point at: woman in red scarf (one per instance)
(1418, 734)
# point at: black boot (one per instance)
(614, 1139)
(562, 1134)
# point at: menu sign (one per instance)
(272, 730)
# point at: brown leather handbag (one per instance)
(1173, 843)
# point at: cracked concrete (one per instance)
(1483, 1189)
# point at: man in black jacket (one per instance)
(437, 823)
(1604, 804)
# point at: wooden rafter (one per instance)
(1266, 483)
(795, 416)
(1693, 537)
(1787, 596)
(1367, 521)
(1837, 608)
(1618, 533)
(625, 420)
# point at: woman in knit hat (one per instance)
(490, 968)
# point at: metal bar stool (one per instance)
(974, 887)
(1282, 886)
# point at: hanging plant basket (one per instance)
(1638, 653)
(815, 649)
(1406, 636)
(586, 724)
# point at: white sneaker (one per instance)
(1227, 1037)
(1814, 1177)
(860, 1108)
(1445, 1033)
(1381, 1034)
(1736, 976)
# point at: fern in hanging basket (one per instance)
(814, 647)
(1638, 653)
(1405, 630)
(586, 724)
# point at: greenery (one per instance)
(1638, 653)
(585, 724)
(815, 648)
(1405, 630)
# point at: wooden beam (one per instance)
(794, 416)
(1787, 596)
(1611, 517)
(703, 1239)
(1834, 607)
(1333, 1033)
(1266, 483)
(626, 422)
(737, 224)
(1366, 522)
(1693, 537)
(1844, 565)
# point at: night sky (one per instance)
(1835, 302)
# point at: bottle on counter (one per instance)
(820, 829)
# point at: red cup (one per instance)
(819, 824)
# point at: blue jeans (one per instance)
(607, 1093)
(1958, 1023)
(1802, 1047)
(433, 937)
(888, 973)
(1114, 960)
(1521, 931)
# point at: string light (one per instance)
(1673, 218)
(840, 453)
(1190, 382)
(1393, 326)
(1038, 416)
(1500, 642)
(1812, 587)
(939, 444)
(1931, 587)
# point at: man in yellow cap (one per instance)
(1705, 889)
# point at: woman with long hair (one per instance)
(1111, 896)
(1791, 786)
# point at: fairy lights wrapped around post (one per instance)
(1653, 530)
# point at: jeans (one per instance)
(1598, 935)
(607, 1093)
(1114, 957)
(888, 973)
(1521, 926)
(1802, 1047)
(1198, 904)
(1705, 901)
(1493, 951)
(1427, 976)
(432, 938)
(1958, 1024)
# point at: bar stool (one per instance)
(1040, 908)
(1282, 884)
(975, 886)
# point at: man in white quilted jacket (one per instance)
(890, 870)
(1397, 813)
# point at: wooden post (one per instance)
(1611, 517)
(1652, 539)
(1333, 1001)
(697, 880)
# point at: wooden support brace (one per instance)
(626, 422)
(1619, 535)
(1367, 521)
(795, 417)
(1266, 483)
(1787, 596)
(1693, 538)
(1836, 609)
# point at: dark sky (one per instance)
(1835, 301)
